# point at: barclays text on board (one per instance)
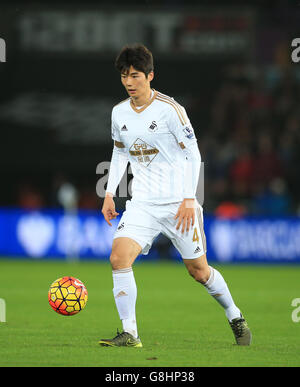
(53, 234)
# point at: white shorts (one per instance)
(143, 222)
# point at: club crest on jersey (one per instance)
(153, 127)
(189, 132)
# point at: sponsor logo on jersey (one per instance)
(144, 152)
(124, 128)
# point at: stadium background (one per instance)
(230, 67)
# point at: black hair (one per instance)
(136, 55)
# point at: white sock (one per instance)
(125, 293)
(218, 289)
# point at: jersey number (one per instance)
(195, 236)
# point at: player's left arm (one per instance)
(183, 131)
(186, 211)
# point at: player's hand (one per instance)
(109, 209)
(186, 215)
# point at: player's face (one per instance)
(136, 83)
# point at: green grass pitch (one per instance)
(179, 323)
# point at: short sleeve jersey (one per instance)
(154, 137)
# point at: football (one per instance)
(67, 296)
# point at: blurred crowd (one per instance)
(251, 148)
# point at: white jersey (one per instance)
(154, 137)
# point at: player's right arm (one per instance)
(118, 166)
